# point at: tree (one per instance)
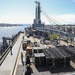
(54, 36)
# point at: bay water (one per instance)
(10, 31)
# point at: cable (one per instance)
(63, 20)
(50, 21)
(48, 17)
(53, 20)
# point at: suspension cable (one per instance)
(50, 21)
(50, 18)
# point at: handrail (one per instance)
(8, 49)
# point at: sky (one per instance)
(23, 11)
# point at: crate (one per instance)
(36, 59)
(40, 51)
(49, 61)
(35, 51)
(60, 62)
(42, 59)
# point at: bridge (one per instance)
(39, 26)
(59, 32)
(12, 65)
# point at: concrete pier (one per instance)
(8, 65)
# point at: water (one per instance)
(10, 31)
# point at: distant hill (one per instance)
(6, 25)
(27, 24)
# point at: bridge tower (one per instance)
(37, 20)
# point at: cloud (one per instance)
(62, 19)
(17, 18)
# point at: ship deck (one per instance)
(43, 70)
(12, 65)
